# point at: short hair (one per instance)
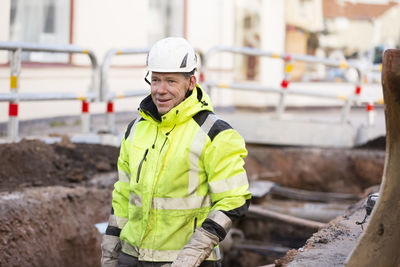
(188, 74)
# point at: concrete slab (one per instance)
(258, 129)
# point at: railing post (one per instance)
(280, 108)
(370, 114)
(356, 95)
(85, 117)
(110, 117)
(13, 105)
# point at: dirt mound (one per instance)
(52, 226)
(331, 245)
(35, 163)
(377, 143)
(317, 169)
(43, 223)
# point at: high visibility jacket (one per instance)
(176, 172)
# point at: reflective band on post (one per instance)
(85, 107)
(110, 107)
(289, 68)
(370, 107)
(13, 110)
(13, 82)
(358, 90)
(201, 77)
(284, 84)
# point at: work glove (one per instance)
(110, 247)
(197, 249)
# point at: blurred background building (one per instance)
(353, 28)
(357, 29)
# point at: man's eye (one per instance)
(172, 81)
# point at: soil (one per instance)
(331, 245)
(51, 195)
(32, 163)
(50, 198)
(317, 169)
(52, 226)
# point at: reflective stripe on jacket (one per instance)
(176, 171)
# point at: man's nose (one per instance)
(162, 87)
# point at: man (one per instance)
(181, 178)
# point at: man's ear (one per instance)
(192, 83)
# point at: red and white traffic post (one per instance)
(110, 117)
(284, 85)
(370, 113)
(13, 105)
(85, 117)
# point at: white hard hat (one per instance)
(172, 54)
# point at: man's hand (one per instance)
(197, 249)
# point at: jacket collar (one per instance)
(195, 103)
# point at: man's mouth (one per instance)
(162, 100)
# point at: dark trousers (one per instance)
(125, 260)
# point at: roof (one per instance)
(335, 8)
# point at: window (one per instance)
(41, 21)
(166, 18)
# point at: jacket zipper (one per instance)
(164, 143)
(140, 165)
(195, 224)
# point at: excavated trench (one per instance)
(51, 197)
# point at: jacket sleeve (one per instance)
(119, 211)
(227, 181)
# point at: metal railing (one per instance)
(348, 100)
(100, 90)
(14, 97)
(106, 94)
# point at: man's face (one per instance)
(169, 89)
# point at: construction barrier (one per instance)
(14, 97)
(283, 90)
(100, 90)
